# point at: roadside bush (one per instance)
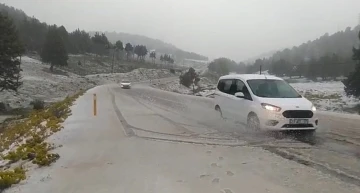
(185, 80)
(189, 78)
(45, 159)
(10, 177)
(172, 71)
(4, 107)
(38, 104)
(28, 137)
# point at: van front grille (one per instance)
(298, 114)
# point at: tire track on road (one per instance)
(127, 128)
(322, 167)
(283, 149)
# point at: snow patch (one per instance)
(39, 83)
(326, 96)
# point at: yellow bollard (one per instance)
(95, 105)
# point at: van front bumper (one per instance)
(276, 121)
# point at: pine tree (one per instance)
(129, 49)
(100, 44)
(352, 83)
(161, 58)
(10, 50)
(54, 51)
(119, 45)
(153, 56)
(143, 52)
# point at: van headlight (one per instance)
(270, 107)
(313, 108)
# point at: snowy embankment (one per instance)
(136, 75)
(326, 95)
(205, 88)
(40, 83)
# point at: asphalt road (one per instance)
(335, 148)
(147, 140)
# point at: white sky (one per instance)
(237, 29)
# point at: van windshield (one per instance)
(272, 89)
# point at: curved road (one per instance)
(335, 149)
(148, 140)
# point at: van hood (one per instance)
(288, 103)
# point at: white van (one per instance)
(264, 102)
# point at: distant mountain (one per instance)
(261, 56)
(32, 32)
(152, 44)
(330, 55)
(16, 14)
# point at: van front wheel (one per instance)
(253, 121)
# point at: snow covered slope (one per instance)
(327, 95)
(40, 83)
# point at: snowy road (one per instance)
(147, 140)
(335, 149)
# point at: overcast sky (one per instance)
(237, 29)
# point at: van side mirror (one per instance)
(240, 95)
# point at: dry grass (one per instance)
(25, 140)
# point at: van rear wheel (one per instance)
(253, 121)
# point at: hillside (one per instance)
(328, 56)
(16, 14)
(32, 32)
(340, 43)
(158, 45)
(40, 83)
(263, 55)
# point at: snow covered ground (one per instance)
(206, 88)
(39, 83)
(326, 95)
(140, 74)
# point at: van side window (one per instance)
(224, 85)
(227, 86)
(233, 88)
(221, 85)
(241, 87)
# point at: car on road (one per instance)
(125, 84)
(264, 102)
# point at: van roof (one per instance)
(246, 77)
